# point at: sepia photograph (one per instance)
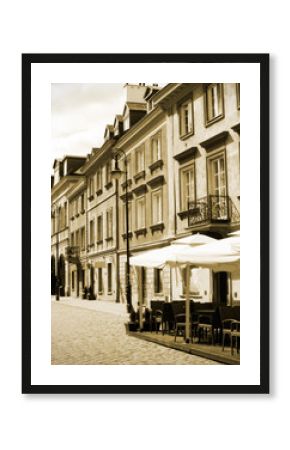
(143, 285)
(145, 223)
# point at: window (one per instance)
(129, 167)
(141, 212)
(214, 101)
(77, 238)
(91, 188)
(109, 278)
(186, 118)
(187, 186)
(73, 280)
(110, 223)
(218, 176)
(92, 233)
(156, 148)
(130, 217)
(108, 173)
(65, 215)
(157, 216)
(217, 186)
(82, 243)
(238, 94)
(72, 239)
(99, 179)
(140, 161)
(82, 203)
(158, 281)
(100, 280)
(100, 228)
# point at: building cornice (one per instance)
(75, 190)
(64, 183)
(132, 132)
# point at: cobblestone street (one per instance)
(82, 336)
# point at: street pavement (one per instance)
(86, 336)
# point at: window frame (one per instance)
(138, 216)
(156, 138)
(238, 94)
(158, 281)
(185, 169)
(221, 107)
(188, 101)
(100, 280)
(139, 151)
(99, 180)
(92, 232)
(130, 206)
(221, 153)
(156, 193)
(109, 223)
(109, 278)
(100, 228)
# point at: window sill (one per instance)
(156, 181)
(140, 189)
(130, 235)
(129, 183)
(156, 165)
(183, 137)
(214, 120)
(109, 185)
(139, 175)
(183, 214)
(157, 227)
(140, 231)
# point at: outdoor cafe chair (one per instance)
(226, 331)
(235, 336)
(158, 319)
(205, 329)
(180, 325)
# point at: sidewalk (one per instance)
(118, 309)
(212, 352)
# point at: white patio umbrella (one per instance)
(159, 257)
(218, 255)
(221, 255)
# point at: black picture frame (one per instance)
(263, 61)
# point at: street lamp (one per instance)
(116, 174)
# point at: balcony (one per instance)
(212, 209)
(73, 254)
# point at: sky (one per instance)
(80, 113)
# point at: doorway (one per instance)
(220, 288)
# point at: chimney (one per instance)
(134, 93)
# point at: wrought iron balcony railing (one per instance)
(72, 253)
(214, 209)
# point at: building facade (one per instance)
(182, 147)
